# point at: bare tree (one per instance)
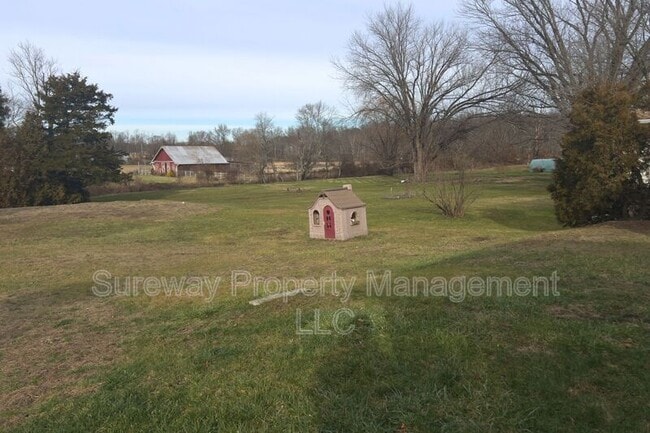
(30, 70)
(417, 76)
(218, 137)
(315, 122)
(258, 146)
(202, 138)
(386, 144)
(264, 142)
(343, 141)
(555, 48)
(224, 143)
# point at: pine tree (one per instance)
(61, 148)
(23, 181)
(75, 116)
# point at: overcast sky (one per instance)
(177, 66)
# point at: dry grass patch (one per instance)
(620, 230)
(118, 210)
(52, 347)
(574, 312)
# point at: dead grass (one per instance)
(51, 347)
(638, 227)
(574, 312)
(621, 230)
(511, 180)
(120, 210)
(534, 348)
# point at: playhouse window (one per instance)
(316, 218)
(353, 219)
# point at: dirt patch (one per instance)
(51, 345)
(534, 348)
(120, 210)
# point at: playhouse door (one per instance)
(328, 216)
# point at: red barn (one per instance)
(188, 160)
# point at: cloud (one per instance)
(177, 83)
(199, 62)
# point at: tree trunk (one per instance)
(419, 163)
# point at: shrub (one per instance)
(598, 177)
(452, 196)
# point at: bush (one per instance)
(452, 196)
(598, 177)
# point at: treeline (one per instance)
(521, 84)
(430, 93)
(335, 148)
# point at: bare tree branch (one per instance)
(30, 70)
(555, 48)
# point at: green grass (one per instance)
(72, 361)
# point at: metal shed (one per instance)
(542, 165)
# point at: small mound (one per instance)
(637, 226)
(129, 210)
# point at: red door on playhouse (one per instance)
(330, 231)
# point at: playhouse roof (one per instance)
(342, 198)
(186, 155)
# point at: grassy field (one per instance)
(144, 358)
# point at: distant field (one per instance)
(197, 361)
(137, 169)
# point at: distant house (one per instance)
(337, 214)
(188, 161)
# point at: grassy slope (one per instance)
(75, 362)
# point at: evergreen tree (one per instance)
(4, 110)
(24, 180)
(62, 147)
(598, 177)
(75, 116)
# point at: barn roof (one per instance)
(184, 155)
(342, 198)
